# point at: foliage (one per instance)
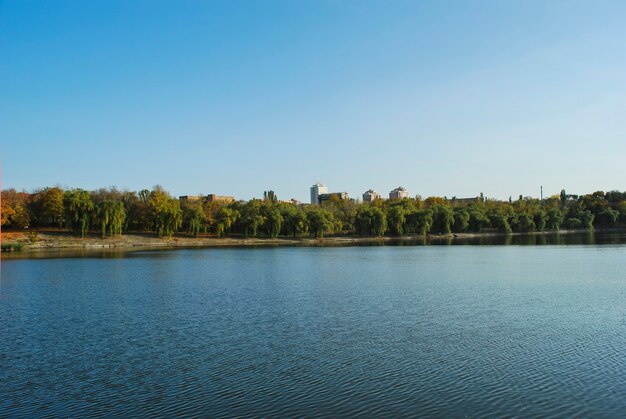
(443, 219)
(370, 221)
(273, 221)
(12, 247)
(110, 215)
(78, 210)
(15, 212)
(111, 212)
(396, 218)
(164, 212)
(294, 220)
(320, 220)
(420, 221)
(461, 220)
(47, 207)
(226, 218)
(251, 218)
(554, 219)
(194, 219)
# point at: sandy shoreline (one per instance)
(42, 240)
(47, 240)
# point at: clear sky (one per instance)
(446, 98)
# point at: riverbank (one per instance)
(50, 239)
(38, 240)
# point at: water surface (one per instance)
(378, 331)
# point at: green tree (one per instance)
(165, 212)
(226, 218)
(138, 216)
(396, 218)
(621, 207)
(540, 219)
(478, 217)
(370, 221)
(295, 221)
(363, 221)
(273, 221)
(579, 217)
(320, 221)
(251, 217)
(194, 218)
(270, 196)
(607, 217)
(554, 219)
(78, 210)
(443, 219)
(420, 221)
(110, 215)
(499, 219)
(379, 221)
(525, 223)
(51, 209)
(586, 218)
(461, 220)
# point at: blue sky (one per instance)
(448, 98)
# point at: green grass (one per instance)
(12, 247)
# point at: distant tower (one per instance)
(542, 193)
(317, 190)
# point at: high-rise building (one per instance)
(399, 193)
(370, 196)
(317, 190)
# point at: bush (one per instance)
(12, 247)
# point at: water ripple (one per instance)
(463, 331)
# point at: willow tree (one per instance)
(443, 218)
(78, 210)
(251, 218)
(461, 219)
(396, 217)
(273, 221)
(226, 218)
(111, 216)
(194, 218)
(419, 221)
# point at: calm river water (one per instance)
(504, 330)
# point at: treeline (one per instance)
(110, 212)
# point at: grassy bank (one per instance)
(12, 247)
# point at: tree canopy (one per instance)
(111, 212)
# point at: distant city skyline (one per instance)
(448, 98)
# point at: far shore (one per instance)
(51, 239)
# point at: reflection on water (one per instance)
(538, 239)
(531, 239)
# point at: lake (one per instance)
(500, 330)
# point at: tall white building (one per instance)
(370, 196)
(317, 190)
(399, 193)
